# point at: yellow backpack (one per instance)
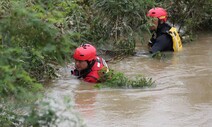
(177, 43)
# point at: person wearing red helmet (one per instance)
(87, 64)
(160, 41)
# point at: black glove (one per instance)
(150, 44)
(75, 72)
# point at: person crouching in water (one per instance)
(160, 41)
(88, 65)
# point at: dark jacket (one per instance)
(161, 40)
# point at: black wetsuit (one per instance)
(161, 40)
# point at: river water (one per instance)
(182, 96)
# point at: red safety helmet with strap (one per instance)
(159, 13)
(85, 52)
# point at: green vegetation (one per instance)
(114, 79)
(37, 36)
(12, 116)
(34, 41)
(120, 22)
(22, 113)
(31, 45)
(191, 14)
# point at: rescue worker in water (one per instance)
(88, 65)
(161, 39)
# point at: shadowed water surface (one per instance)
(182, 96)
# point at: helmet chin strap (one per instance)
(90, 63)
(159, 23)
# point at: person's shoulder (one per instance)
(99, 57)
(168, 26)
(98, 64)
(165, 28)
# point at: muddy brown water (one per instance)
(182, 96)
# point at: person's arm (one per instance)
(152, 40)
(90, 79)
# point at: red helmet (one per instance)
(85, 52)
(158, 12)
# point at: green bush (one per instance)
(25, 114)
(32, 44)
(34, 40)
(114, 79)
(190, 14)
(117, 22)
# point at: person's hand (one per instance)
(150, 44)
(75, 72)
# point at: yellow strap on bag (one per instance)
(177, 43)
